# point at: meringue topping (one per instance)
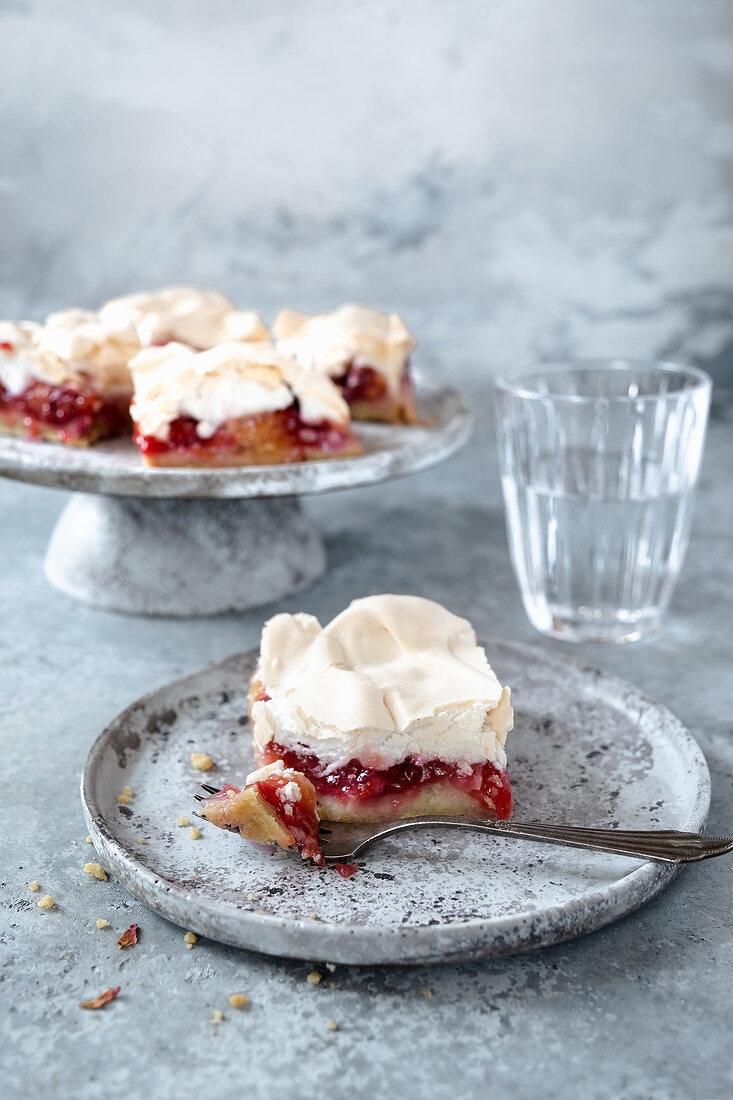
(15, 370)
(390, 677)
(226, 381)
(352, 334)
(185, 314)
(74, 347)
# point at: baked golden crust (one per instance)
(250, 813)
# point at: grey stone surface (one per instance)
(420, 897)
(556, 171)
(643, 1008)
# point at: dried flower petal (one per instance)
(102, 999)
(128, 938)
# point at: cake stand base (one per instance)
(182, 557)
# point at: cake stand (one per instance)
(207, 541)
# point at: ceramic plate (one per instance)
(587, 750)
(114, 467)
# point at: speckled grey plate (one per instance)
(587, 749)
(115, 467)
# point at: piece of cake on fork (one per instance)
(276, 805)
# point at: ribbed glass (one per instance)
(598, 461)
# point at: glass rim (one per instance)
(510, 383)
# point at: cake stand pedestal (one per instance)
(206, 541)
(182, 557)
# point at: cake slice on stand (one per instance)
(237, 404)
(366, 353)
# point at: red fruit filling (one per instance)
(346, 870)
(487, 783)
(361, 384)
(284, 434)
(302, 820)
(72, 413)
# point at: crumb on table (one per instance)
(314, 977)
(238, 1000)
(190, 939)
(34, 886)
(46, 902)
(184, 821)
(194, 833)
(202, 761)
(96, 870)
(101, 922)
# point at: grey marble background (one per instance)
(522, 178)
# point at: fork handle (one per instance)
(669, 846)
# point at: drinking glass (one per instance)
(598, 462)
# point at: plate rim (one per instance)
(27, 460)
(477, 938)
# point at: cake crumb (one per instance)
(312, 916)
(74, 843)
(184, 821)
(261, 912)
(314, 977)
(34, 886)
(46, 902)
(194, 833)
(202, 761)
(190, 939)
(101, 922)
(250, 897)
(216, 1016)
(238, 1000)
(96, 870)
(332, 1025)
(427, 992)
(127, 791)
(89, 840)
(141, 840)
(123, 799)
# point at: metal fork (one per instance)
(342, 842)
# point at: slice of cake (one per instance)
(365, 351)
(277, 805)
(237, 404)
(185, 315)
(392, 710)
(67, 380)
